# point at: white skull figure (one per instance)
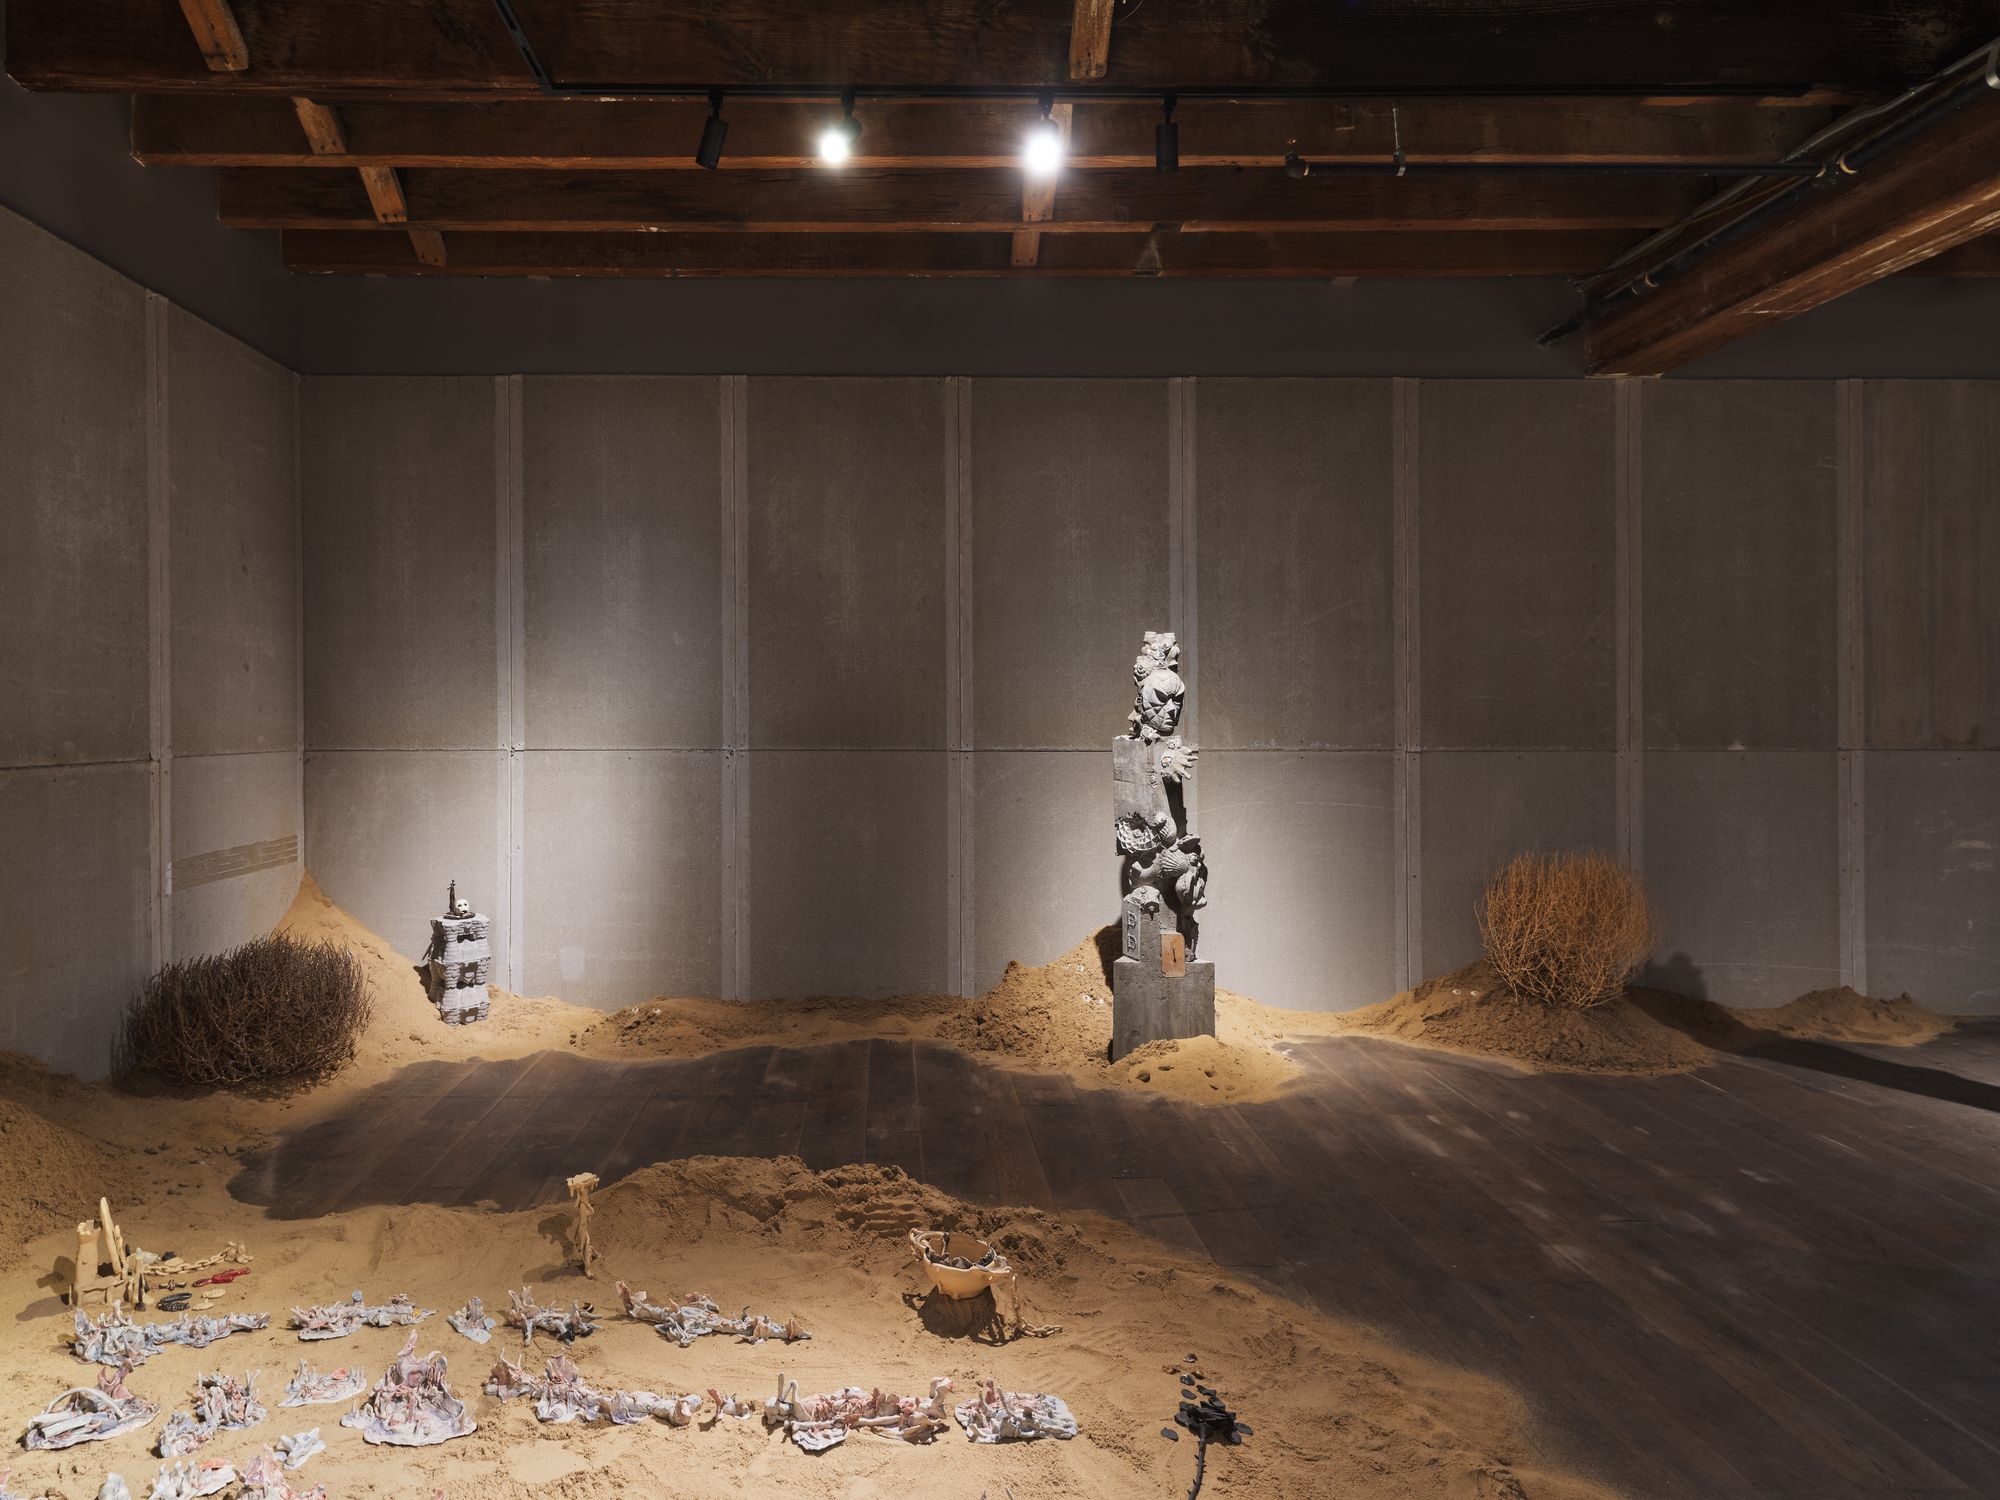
(461, 908)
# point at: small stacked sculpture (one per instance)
(1159, 989)
(456, 963)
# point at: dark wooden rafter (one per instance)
(363, 252)
(1090, 39)
(217, 35)
(658, 135)
(447, 48)
(813, 201)
(1929, 194)
(1038, 199)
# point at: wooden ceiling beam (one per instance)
(217, 35)
(1980, 257)
(813, 201)
(1090, 39)
(659, 135)
(1938, 190)
(460, 47)
(359, 252)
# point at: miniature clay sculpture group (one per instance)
(411, 1405)
(90, 1414)
(114, 1339)
(685, 1319)
(221, 1404)
(957, 1264)
(997, 1416)
(560, 1394)
(336, 1320)
(264, 1479)
(818, 1422)
(524, 1313)
(311, 1387)
(106, 1267)
(471, 1320)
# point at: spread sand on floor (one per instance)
(1336, 1411)
(1643, 1031)
(1049, 1018)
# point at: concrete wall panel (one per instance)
(1481, 809)
(847, 497)
(73, 571)
(1738, 515)
(622, 874)
(1302, 876)
(1045, 874)
(1515, 551)
(1294, 484)
(1933, 879)
(399, 545)
(233, 813)
(386, 831)
(1742, 855)
(235, 548)
(75, 847)
(1931, 555)
(622, 545)
(847, 873)
(1069, 548)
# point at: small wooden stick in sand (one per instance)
(579, 1192)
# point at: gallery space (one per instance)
(1173, 744)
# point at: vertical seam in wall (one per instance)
(1851, 711)
(159, 632)
(1404, 416)
(1628, 478)
(299, 616)
(510, 636)
(960, 796)
(1182, 564)
(735, 862)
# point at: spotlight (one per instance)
(836, 142)
(1167, 140)
(713, 132)
(1042, 151)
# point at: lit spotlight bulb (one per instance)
(1042, 151)
(836, 142)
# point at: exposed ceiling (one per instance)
(1428, 138)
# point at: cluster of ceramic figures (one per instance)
(413, 1406)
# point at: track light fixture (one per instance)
(1167, 139)
(1042, 151)
(714, 131)
(836, 142)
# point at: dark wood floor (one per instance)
(1778, 1277)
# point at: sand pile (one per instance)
(1335, 1410)
(1643, 1031)
(51, 1179)
(1048, 1018)
(1845, 1015)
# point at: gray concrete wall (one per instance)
(776, 686)
(150, 800)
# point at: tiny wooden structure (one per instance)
(456, 964)
(104, 1268)
(579, 1192)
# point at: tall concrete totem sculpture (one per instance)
(1159, 988)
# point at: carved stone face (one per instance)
(461, 908)
(1158, 710)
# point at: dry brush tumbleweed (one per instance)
(1568, 929)
(274, 1010)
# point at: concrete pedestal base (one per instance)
(1148, 1006)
